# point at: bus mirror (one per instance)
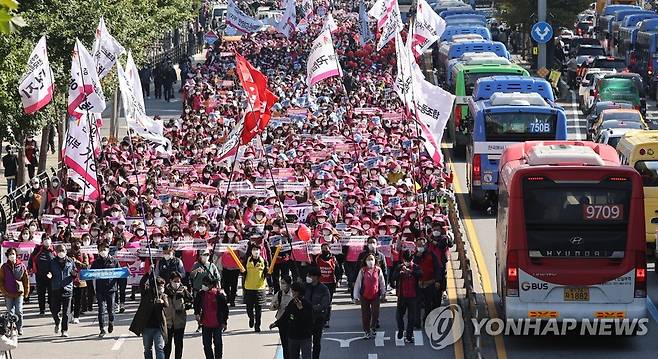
(654, 220)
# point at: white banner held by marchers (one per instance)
(106, 50)
(236, 18)
(322, 62)
(85, 92)
(36, 85)
(78, 156)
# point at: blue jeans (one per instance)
(15, 306)
(153, 337)
(211, 335)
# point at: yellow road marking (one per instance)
(482, 264)
(452, 296)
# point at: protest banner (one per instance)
(107, 273)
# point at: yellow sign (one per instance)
(535, 50)
(543, 72)
(543, 314)
(616, 315)
(554, 77)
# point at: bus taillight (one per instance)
(458, 116)
(640, 275)
(477, 170)
(512, 274)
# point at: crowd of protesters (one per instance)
(368, 210)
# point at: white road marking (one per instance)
(344, 343)
(574, 117)
(418, 338)
(119, 342)
(380, 338)
(399, 342)
(372, 356)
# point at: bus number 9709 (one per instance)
(603, 212)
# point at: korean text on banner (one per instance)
(78, 156)
(85, 92)
(322, 62)
(108, 273)
(106, 50)
(236, 18)
(36, 85)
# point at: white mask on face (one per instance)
(309, 280)
(371, 246)
(175, 285)
(61, 254)
(230, 235)
(46, 242)
(167, 256)
(33, 229)
(370, 263)
(255, 253)
(26, 236)
(436, 233)
(12, 258)
(104, 253)
(204, 288)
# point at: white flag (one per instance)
(287, 23)
(403, 78)
(378, 9)
(36, 86)
(85, 92)
(322, 61)
(365, 35)
(389, 24)
(106, 50)
(433, 106)
(329, 24)
(133, 104)
(307, 8)
(78, 155)
(236, 18)
(428, 28)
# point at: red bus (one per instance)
(570, 233)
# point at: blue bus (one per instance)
(628, 33)
(647, 57)
(605, 20)
(487, 86)
(502, 120)
(458, 11)
(464, 19)
(451, 31)
(619, 20)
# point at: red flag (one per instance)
(253, 82)
(271, 99)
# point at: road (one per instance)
(481, 231)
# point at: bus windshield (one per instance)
(649, 172)
(576, 219)
(520, 126)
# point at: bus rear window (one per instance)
(520, 126)
(649, 172)
(576, 219)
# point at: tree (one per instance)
(562, 13)
(134, 23)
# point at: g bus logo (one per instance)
(444, 326)
(534, 286)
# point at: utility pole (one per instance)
(541, 16)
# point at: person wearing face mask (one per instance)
(372, 248)
(39, 265)
(280, 301)
(15, 286)
(369, 291)
(62, 271)
(168, 264)
(203, 268)
(320, 298)
(211, 312)
(297, 321)
(431, 273)
(180, 300)
(229, 267)
(406, 275)
(79, 286)
(105, 288)
(255, 285)
(327, 264)
(150, 321)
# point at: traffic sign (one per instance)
(541, 32)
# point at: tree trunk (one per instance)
(60, 138)
(20, 176)
(115, 115)
(43, 150)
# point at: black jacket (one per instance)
(105, 286)
(148, 310)
(222, 306)
(299, 322)
(320, 300)
(10, 164)
(40, 260)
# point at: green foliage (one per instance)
(136, 24)
(562, 13)
(9, 22)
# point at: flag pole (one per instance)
(225, 199)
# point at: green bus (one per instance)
(464, 77)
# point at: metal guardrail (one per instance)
(470, 299)
(11, 202)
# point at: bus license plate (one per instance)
(576, 294)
